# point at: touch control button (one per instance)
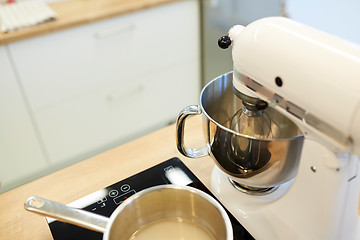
(113, 193)
(125, 188)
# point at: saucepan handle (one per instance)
(67, 214)
(180, 125)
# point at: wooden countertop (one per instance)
(77, 12)
(96, 173)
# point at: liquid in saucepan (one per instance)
(174, 229)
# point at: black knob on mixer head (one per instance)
(224, 42)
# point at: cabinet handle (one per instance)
(114, 31)
(113, 97)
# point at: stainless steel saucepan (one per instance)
(143, 208)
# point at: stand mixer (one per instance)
(286, 146)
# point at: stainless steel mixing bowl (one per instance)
(254, 163)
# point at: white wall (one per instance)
(338, 17)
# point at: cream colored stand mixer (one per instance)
(284, 131)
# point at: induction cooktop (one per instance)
(105, 201)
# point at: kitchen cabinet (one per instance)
(93, 87)
(21, 157)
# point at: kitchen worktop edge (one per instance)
(72, 13)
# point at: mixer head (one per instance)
(271, 60)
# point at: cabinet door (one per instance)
(20, 155)
(96, 86)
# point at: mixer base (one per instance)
(252, 211)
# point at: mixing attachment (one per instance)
(256, 123)
(253, 120)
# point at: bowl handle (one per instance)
(180, 124)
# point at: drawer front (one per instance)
(92, 124)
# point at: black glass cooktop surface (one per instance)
(106, 200)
